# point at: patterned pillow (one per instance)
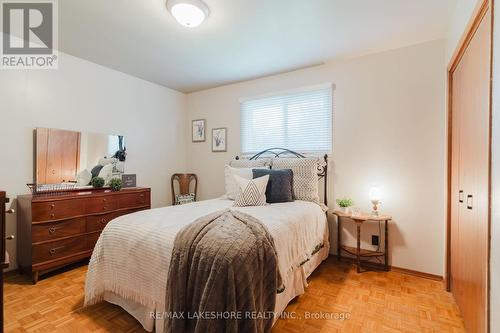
(305, 176)
(252, 191)
(246, 163)
(280, 184)
(232, 188)
(181, 199)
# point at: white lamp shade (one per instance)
(189, 13)
(374, 193)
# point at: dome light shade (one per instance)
(189, 13)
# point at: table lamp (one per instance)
(375, 199)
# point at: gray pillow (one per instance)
(95, 170)
(280, 185)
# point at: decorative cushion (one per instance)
(246, 163)
(83, 178)
(181, 199)
(252, 191)
(106, 173)
(305, 176)
(232, 188)
(280, 185)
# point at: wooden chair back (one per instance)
(184, 180)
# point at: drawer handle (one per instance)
(461, 196)
(52, 215)
(54, 229)
(142, 195)
(104, 199)
(55, 249)
(104, 208)
(52, 206)
(104, 221)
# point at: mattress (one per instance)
(129, 265)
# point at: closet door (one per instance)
(58, 155)
(470, 163)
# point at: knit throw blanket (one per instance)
(223, 276)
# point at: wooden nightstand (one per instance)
(358, 251)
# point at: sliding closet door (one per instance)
(470, 162)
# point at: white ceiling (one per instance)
(241, 39)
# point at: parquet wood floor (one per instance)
(375, 302)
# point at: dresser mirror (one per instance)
(69, 157)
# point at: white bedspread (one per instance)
(132, 256)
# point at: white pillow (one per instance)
(106, 173)
(252, 191)
(230, 183)
(83, 178)
(107, 160)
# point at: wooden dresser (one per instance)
(54, 231)
(4, 258)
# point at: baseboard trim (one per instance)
(417, 273)
(394, 269)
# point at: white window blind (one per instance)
(299, 121)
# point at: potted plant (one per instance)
(115, 184)
(97, 182)
(344, 204)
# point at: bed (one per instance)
(130, 263)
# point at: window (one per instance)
(300, 120)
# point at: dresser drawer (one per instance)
(101, 204)
(59, 249)
(92, 240)
(57, 210)
(134, 200)
(53, 230)
(98, 222)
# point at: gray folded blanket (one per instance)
(223, 276)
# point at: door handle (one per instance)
(461, 196)
(469, 201)
(11, 237)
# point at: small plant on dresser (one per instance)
(97, 182)
(115, 184)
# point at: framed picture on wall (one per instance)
(219, 139)
(198, 130)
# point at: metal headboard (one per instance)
(282, 152)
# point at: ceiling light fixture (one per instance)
(189, 13)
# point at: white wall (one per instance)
(86, 97)
(459, 20)
(389, 129)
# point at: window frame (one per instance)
(328, 85)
